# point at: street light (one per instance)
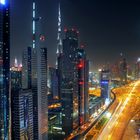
(108, 114)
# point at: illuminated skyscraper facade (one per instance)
(59, 40)
(69, 83)
(39, 88)
(21, 114)
(104, 82)
(26, 70)
(39, 82)
(21, 107)
(83, 71)
(4, 68)
(16, 77)
(73, 83)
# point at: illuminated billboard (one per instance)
(2, 1)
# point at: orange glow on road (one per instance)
(127, 108)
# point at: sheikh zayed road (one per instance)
(117, 116)
(126, 107)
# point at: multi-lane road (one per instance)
(124, 108)
(129, 105)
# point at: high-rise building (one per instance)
(39, 88)
(21, 107)
(69, 83)
(16, 76)
(104, 82)
(73, 69)
(83, 76)
(21, 114)
(123, 71)
(4, 69)
(115, 73)
(59, 70)
(53, 78)
(137, 69)
(83, 71)
(26, 70)
(59, 40)
(39, 82)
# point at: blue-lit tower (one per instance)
(4, 69)
(105, 82)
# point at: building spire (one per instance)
(59, 40)
(34, 23)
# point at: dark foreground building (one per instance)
(73, 68)
(22, 114)
(4, 69)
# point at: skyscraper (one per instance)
(83, 71)
(123, 71)
(104, 81)
(39, 88)
(26, 70)
(59, 70)
(16, 76)
(21, 114)
(137, 69)
(53, 78)
(69, 83)
(39, 82)
(73, 71)
(21, 107)
(59, 40)
(4, 69)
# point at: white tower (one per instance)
(59, 40)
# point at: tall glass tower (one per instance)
(69, 83)
(4, 68)
(39, 81)
(59, 40)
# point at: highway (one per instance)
(121, 111)
(129, 105)
(79, 134)
(98, 126)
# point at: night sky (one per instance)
(107, 27)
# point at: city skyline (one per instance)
(107, 28)
(76, 77)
